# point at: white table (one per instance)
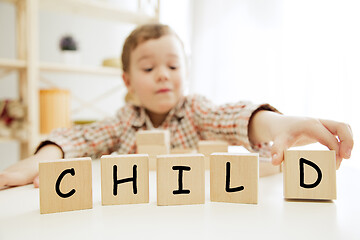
(273, 217)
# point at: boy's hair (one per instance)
(140, 35)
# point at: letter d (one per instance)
(313, 165)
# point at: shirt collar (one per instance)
(179, 109)
(140, 114)
(139, 118)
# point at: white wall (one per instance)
(300, 56)
(303, 57)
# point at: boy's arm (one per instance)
(92, 140)
(227, 122)
(26, 171)
(288, 131)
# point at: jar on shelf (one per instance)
(54, 109)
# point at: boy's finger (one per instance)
(344, 132)
(36, 181)
(2, 181)
(277, 150)
(338, 162)
(12, 179)
(323, 136)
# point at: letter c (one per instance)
(58, 181)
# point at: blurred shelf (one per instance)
(63, 68)
(9, 1)
(10, 139)
(94, 9)
(41, 137)
(6, 139)
(97, 9)
(12, 63)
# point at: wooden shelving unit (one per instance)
(97, 9)
(12, 64)
(62, 68)
(28, 64)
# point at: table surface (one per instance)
(272, 217)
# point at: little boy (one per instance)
(154, 68)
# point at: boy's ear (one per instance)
(126, 79)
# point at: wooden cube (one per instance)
(310, 175)
(234, 177)
(266, 168)
(65, 185)
(125, 179)
(180, 179)
(153, 137)
(182, 150)
(153, 151)
(153, 142)
(208, 147)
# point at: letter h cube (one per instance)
(124, 179)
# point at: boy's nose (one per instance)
(163, 74)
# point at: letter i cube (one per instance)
(180, 179)
(310, 175)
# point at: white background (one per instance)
(303, 57)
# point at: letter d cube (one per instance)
(310, 175)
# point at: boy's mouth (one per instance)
(163, 90)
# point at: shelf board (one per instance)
(41, 137)
(11, 139)
(9, 1)
(12, 63)
(97, 9)
(63, 68)
(6, 139)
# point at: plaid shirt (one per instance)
(193, 119)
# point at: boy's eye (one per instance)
(148, 69)
(173, 67)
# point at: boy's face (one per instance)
(157, 69)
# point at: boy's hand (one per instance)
(21, 173)
(27, 171)
(287, 131)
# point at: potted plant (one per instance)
(69, 50)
